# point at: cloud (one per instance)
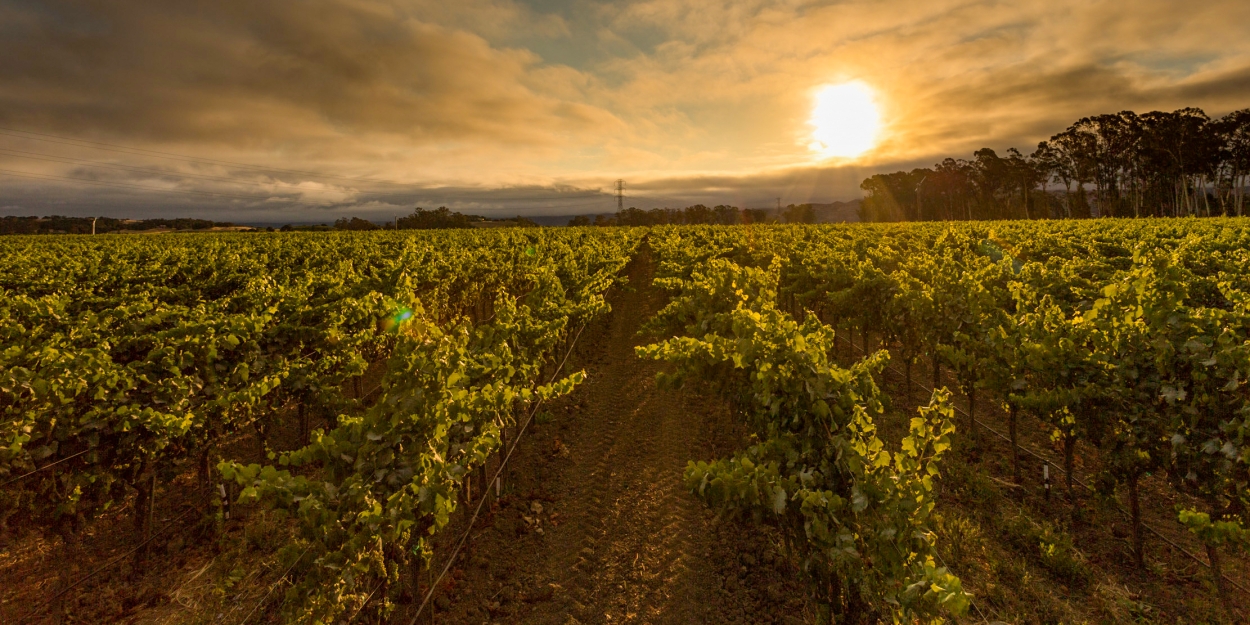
(387, 103)
(271, 74)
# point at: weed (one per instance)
(1050, 547)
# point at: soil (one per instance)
(596, 525)
(982, 512)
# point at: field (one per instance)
(653, 425)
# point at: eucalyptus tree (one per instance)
(1074, 149)
(991, 176)
(1055, 165)
(1183, 153)
(953, 184)
(1233, 134)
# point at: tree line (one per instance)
(699, 214)
(57, 224)
(1157, 164)
(422, 219)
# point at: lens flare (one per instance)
(845, 120)
(394, 321)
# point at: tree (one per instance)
(1233, 134)
(442, 217)
(355, 223)
(799, 214)
(1115, 165)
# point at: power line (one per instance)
(602, 202)
(158, 172)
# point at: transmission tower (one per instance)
(620, 195)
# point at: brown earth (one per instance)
(596, 526)
(990, 529)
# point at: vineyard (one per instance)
(1002, 421)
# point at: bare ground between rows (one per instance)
(980, 485)
(183, 577)
(596, 526)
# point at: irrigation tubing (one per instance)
(1075, 479)
(486, 490)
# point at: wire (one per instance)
(970, 601)
(522, 198)
(601, 200)
(368, 598)
(106, 565)
(486, 491)
(662, 198)
(255, 198)
(68, 160)
(46, 466)
(1075, 479)
(275, 585)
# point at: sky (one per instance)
(311, 110)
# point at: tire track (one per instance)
(622, 540)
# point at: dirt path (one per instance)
(599, 528)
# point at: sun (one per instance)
(845, 120)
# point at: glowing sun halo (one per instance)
(845, 121)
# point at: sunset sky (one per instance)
(312, 110)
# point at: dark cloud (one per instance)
(503, 106)
(264, 73)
